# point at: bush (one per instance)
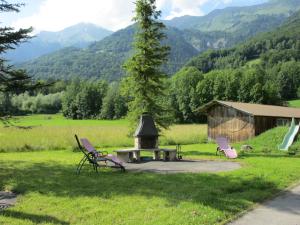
(293, 150)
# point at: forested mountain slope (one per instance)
(104, 59)
(282, 44)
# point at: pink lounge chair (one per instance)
(224, 147)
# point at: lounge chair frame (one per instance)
(93, 158)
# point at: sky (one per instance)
(55, 15)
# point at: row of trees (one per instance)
(185, 92)
(93, 99)
(78, 99)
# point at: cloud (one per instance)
(177, 8)
(54, 15)
(182, 7)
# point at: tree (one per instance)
(289, 79)
(145, 80)
(83, 99)
(114, 105)
(11, 79)
(185, 99)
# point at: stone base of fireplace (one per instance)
(133, 155)
(146, 142)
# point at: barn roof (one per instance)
(257, 109)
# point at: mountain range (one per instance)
(187, 36)
(45, 42)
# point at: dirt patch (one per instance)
(184, 166)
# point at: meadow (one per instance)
(24, 133)
(294, 103)
(50, 192)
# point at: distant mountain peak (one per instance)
(85, 25)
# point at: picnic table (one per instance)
(133, 155)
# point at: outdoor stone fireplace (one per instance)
(146, 134)
(146, 139)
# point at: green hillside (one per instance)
(282, 44)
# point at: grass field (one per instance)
(51, 193)
(294, 103)
(58, 133)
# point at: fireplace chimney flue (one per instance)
(146, 134)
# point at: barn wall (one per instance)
(229, 122)
(263, 123)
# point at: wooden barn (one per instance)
(241, 121)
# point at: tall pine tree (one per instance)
(146, 81)
(11, 79)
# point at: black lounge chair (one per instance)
(94, 157)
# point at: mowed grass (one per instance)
(43, 132)
(51, 193)
(294, 103)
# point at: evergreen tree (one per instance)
(11, 79)
(146, 80)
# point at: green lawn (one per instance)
(294, 103)
(51, 193)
